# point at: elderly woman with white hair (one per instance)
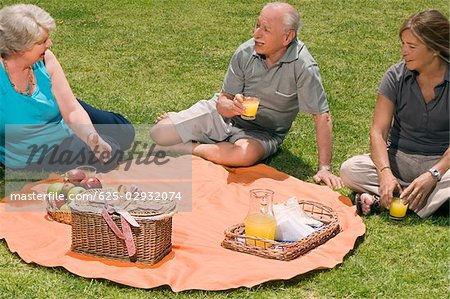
(38, 110)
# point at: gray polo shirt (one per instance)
(291, 85)
(418, 127)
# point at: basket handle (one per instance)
(129, 242)
(112, 225)
(126, 235)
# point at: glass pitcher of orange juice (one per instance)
(260, 221)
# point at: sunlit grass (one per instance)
(141, 58)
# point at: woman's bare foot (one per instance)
(366, 203)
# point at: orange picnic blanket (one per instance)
(197, 261)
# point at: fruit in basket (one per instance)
(56, 194)
(66, 188)
(91, 183)
(59, 202)
(65, 208)
(55, 189)
(74, 176)
(72, 194)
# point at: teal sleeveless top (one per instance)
(29, 125)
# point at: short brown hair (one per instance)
(432, 28)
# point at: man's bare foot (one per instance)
(161, 117)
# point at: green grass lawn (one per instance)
(141, 58)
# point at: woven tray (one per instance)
(235, 238)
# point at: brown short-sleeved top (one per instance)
(418, 127)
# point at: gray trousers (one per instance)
(360, 174)
(201, 122)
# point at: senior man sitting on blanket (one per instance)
(276, 67)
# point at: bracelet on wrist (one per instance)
(89, 135)
(383, 168)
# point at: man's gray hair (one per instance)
(21, 26)
(291, 18)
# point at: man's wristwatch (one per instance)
(434, 172)
(325, 167)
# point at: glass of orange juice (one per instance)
(251, 104)
(260, 221)
(397, 210)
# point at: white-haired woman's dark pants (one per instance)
(359, 174)
(114, 128)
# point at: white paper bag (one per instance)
(293, 223)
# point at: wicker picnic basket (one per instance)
(235, 238)
(93, 235)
